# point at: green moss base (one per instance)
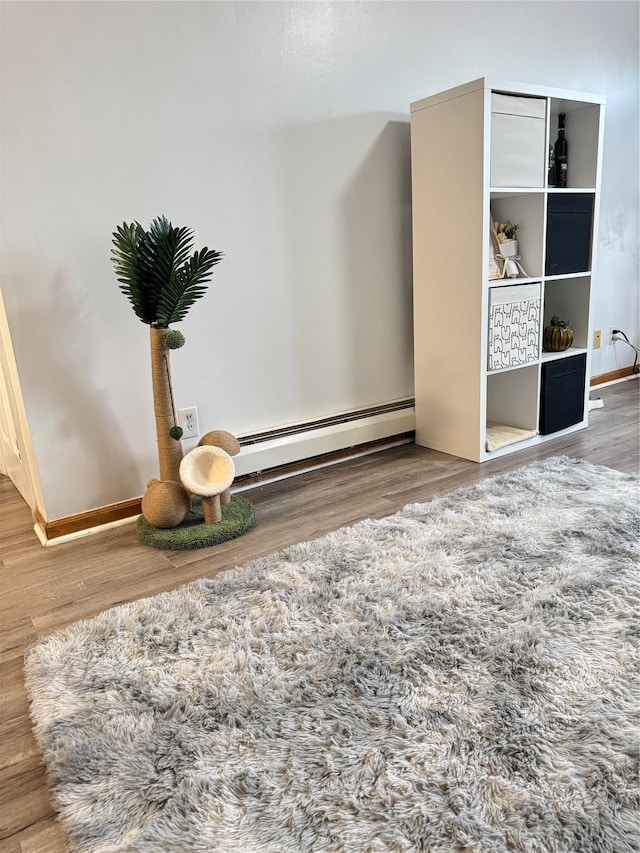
(237, 517)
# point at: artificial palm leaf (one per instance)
(165, 251)
(186, 285)
(128, 267)
(156, 273)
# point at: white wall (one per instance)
(279, 132)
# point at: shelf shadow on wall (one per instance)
(377, 240)
(347, 200)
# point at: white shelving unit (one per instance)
(457, 395)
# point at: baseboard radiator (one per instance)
(276, 449)
(268, 456)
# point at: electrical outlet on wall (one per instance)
(611, 339)
(597, 338)
(188, 419)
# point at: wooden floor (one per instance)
(44, 589)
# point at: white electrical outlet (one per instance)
(612, 340)
(189, 422)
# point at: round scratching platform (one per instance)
(208, 472)
(238, 516)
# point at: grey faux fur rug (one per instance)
(457, 677)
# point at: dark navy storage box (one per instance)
(569, 228)
(562, 396)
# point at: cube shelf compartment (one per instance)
(562, 393)
(480, 151)
(528, 211)
(514, 325)
(569, 233)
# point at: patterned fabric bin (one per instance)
(514, 325)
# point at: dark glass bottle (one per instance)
(551, 172)
(561, 154)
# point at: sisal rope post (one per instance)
(169, 449)
(211, 509)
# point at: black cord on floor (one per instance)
(635, 368)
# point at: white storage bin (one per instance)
(514, 325)
(518, 150)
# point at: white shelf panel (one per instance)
(567, 275)
(510, 192)
(567, 353)
(511, 368)
(505, 282)
(545, 356)
(566, 98)
(570, 190)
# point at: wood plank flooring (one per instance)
(44, 589)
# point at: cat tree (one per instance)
(162, 277)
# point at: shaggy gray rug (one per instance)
(456, 677)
